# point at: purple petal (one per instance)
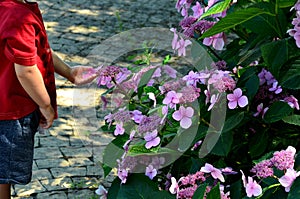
(177, 115)
(185, 122)
(243, 101)
(231, 97)
(152, 143)
(232, 105)
(238, 92)
(189, 112)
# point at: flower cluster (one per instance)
(193, 25)
(282, 160)
(186, 186)
(295, 32)
(269, 92)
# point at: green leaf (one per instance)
(275, 54)
(217, 8)
(258, 144)
(214, 193)
(291, 79)
(295, 191)
(146, 77)
(138, 186)
(199, 193)
(252, 86)
(277, 111)
(292, 119)
(234, 19)
(106, 169)
(233, 121)
(285, 3)
(223, 145)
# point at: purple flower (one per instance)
(151, 172)
(198, 10)
(252, 187)
(213, 100)
(292, 101)
(175, 38)
(184, 115)
(228, 171)
(126, 145)
(170, 71)
(215, 173)
(216, 41)
(119, 129)
(181, 45)
(172, 98)
(237, 98)
(266, 77)
(102, 192)
(137, 116)
(263, 169)
(287, 180)
(277, 89)
(152, 139)
(261, 110)
(193, 78)
(123, 174)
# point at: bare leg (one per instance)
(4, 191)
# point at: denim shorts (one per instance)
(16, 149)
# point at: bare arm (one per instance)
(32, 82)
(73, 74)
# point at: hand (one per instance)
(82, 75)
(48, 117)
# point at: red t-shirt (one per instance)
(23, 40)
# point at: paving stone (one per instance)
(68, 171)
(76, 152)
(52, 195)
(53, 141)
(75, 162)
(94, 171)
(41, 174)
(85, 182)
(82, 194)
(52, 163)
(47, 152)
(31, 188)
(57, 184)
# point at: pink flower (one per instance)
(213, 100)
(252, 187)
(123, 174)
(184, 115)
(237, 98)
(137, 116)
(277, 89)
(151, 172)
(215, 173)
(288, 179)
(119, 129)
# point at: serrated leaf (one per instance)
(292, 119)
(285, 3)
(217, 8)
(234, 19)
(214, 192)
(291, 79)
(277, 111)
(233, 121)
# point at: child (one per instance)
(27, 85)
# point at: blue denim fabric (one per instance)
(16, 149)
